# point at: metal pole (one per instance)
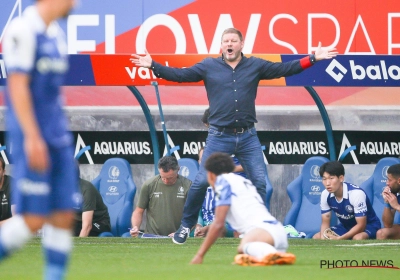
(326, 120)
(150, 122)
(155, 84)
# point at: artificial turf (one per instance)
(126, 258)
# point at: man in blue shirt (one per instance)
(391, 195)
(231, 82)
(350, 204)
(45, 174)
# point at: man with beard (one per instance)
(392, 198)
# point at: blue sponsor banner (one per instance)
(349, 70)
(80, 71)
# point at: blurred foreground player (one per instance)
(34, 50)
(264, 239)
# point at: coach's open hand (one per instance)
(324, 53)
(142, 61)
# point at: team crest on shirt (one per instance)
(4, 200)
(181, 192)
(349, 209)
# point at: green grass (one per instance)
(125, 258)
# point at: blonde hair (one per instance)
(234, 31)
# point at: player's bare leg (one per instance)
(257, 249)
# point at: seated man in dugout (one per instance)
(7, 209)
(163, 197)
(91, 217)
(392, 199)
(350, 204)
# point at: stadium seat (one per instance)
(118, 190)
(305, 195)
(188, 168)
(374, 185)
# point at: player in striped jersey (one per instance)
(264, 239)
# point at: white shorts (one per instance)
(277, 232)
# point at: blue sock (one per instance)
(55, 264)
(3, 252)
(57, 244)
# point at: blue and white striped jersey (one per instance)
(354, 203)
(208, 207)
(247, 209)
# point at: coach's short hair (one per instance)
(334, 168)
(234, 31)
(168, 163)
(219, 163)
(394, 170)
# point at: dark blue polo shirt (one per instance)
(231, 92)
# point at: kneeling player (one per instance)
(350, 204)
(264, 241)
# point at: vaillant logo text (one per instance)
(373, 72)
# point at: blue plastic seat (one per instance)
(118, 190)
(188, 168)
(305, 195)
(375, 184)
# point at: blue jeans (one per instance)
(246, 147)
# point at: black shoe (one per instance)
(181, 235)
